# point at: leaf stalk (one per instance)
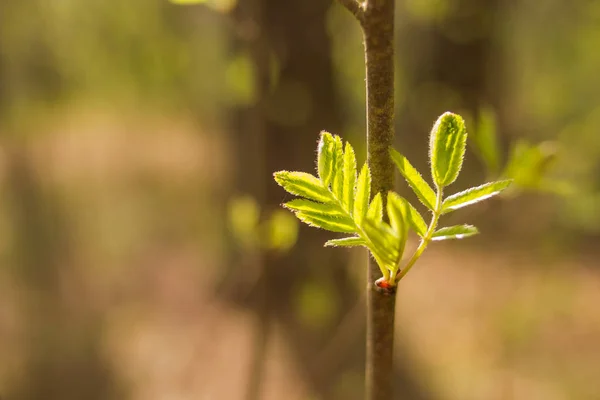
(437, 212)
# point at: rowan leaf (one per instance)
(474, 195)
(455, 232)
(312, 206)
(447, 146)
(363, 192)
(375, 211)
(326, 221)
(424, 192)
(346, 242)
(303, 184)
(337, 183)
(383, 242)
(325, 158)
(349, 178)
(398, 213)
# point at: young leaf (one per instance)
(474, 195)
(325, 158)
(398, 213)
(447, 148)
(349, 178)
(455, 232)
(311, 206)
(346, 242)
(338, 171)
(326, 221)
(411, 216)
(421, 188)
(303, 184)
(384, 243)
(375, 211)
(363, 191)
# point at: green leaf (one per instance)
(325, 158)
(383, 242)
(411, 216)
(314, 207)
(398, 212)
(363, 192)
(326, 221)
(424, 192)
(349, 178)
(303, 184)
(447, 148)
(346, 242)
(486, 141)
(375, 211)
(474, 195)
(454, 232)
(337, 184)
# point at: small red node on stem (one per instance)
(384, 286)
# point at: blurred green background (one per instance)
(142, 255)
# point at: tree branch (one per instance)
(356, 8)
(378, 30)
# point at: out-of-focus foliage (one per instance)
(114, 149)
(278, 232)
(218, 5)
(528, 165)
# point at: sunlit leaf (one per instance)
(303, 184)
(349, 178)
(375, 211)
(325, 158)
(415, 219)
(424, 192)
(447, 148)
(474, 195)
(384, 243)
(337, 184)
(325, 221)
(346, 242)
(455, 232)
(312, 206)
(411, 216)
(398, 213)
(363, 192)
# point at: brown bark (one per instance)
(377, 21)
(378, 28)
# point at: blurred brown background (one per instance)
(137, 145)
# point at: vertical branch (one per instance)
(378, 29)
(377, 20)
